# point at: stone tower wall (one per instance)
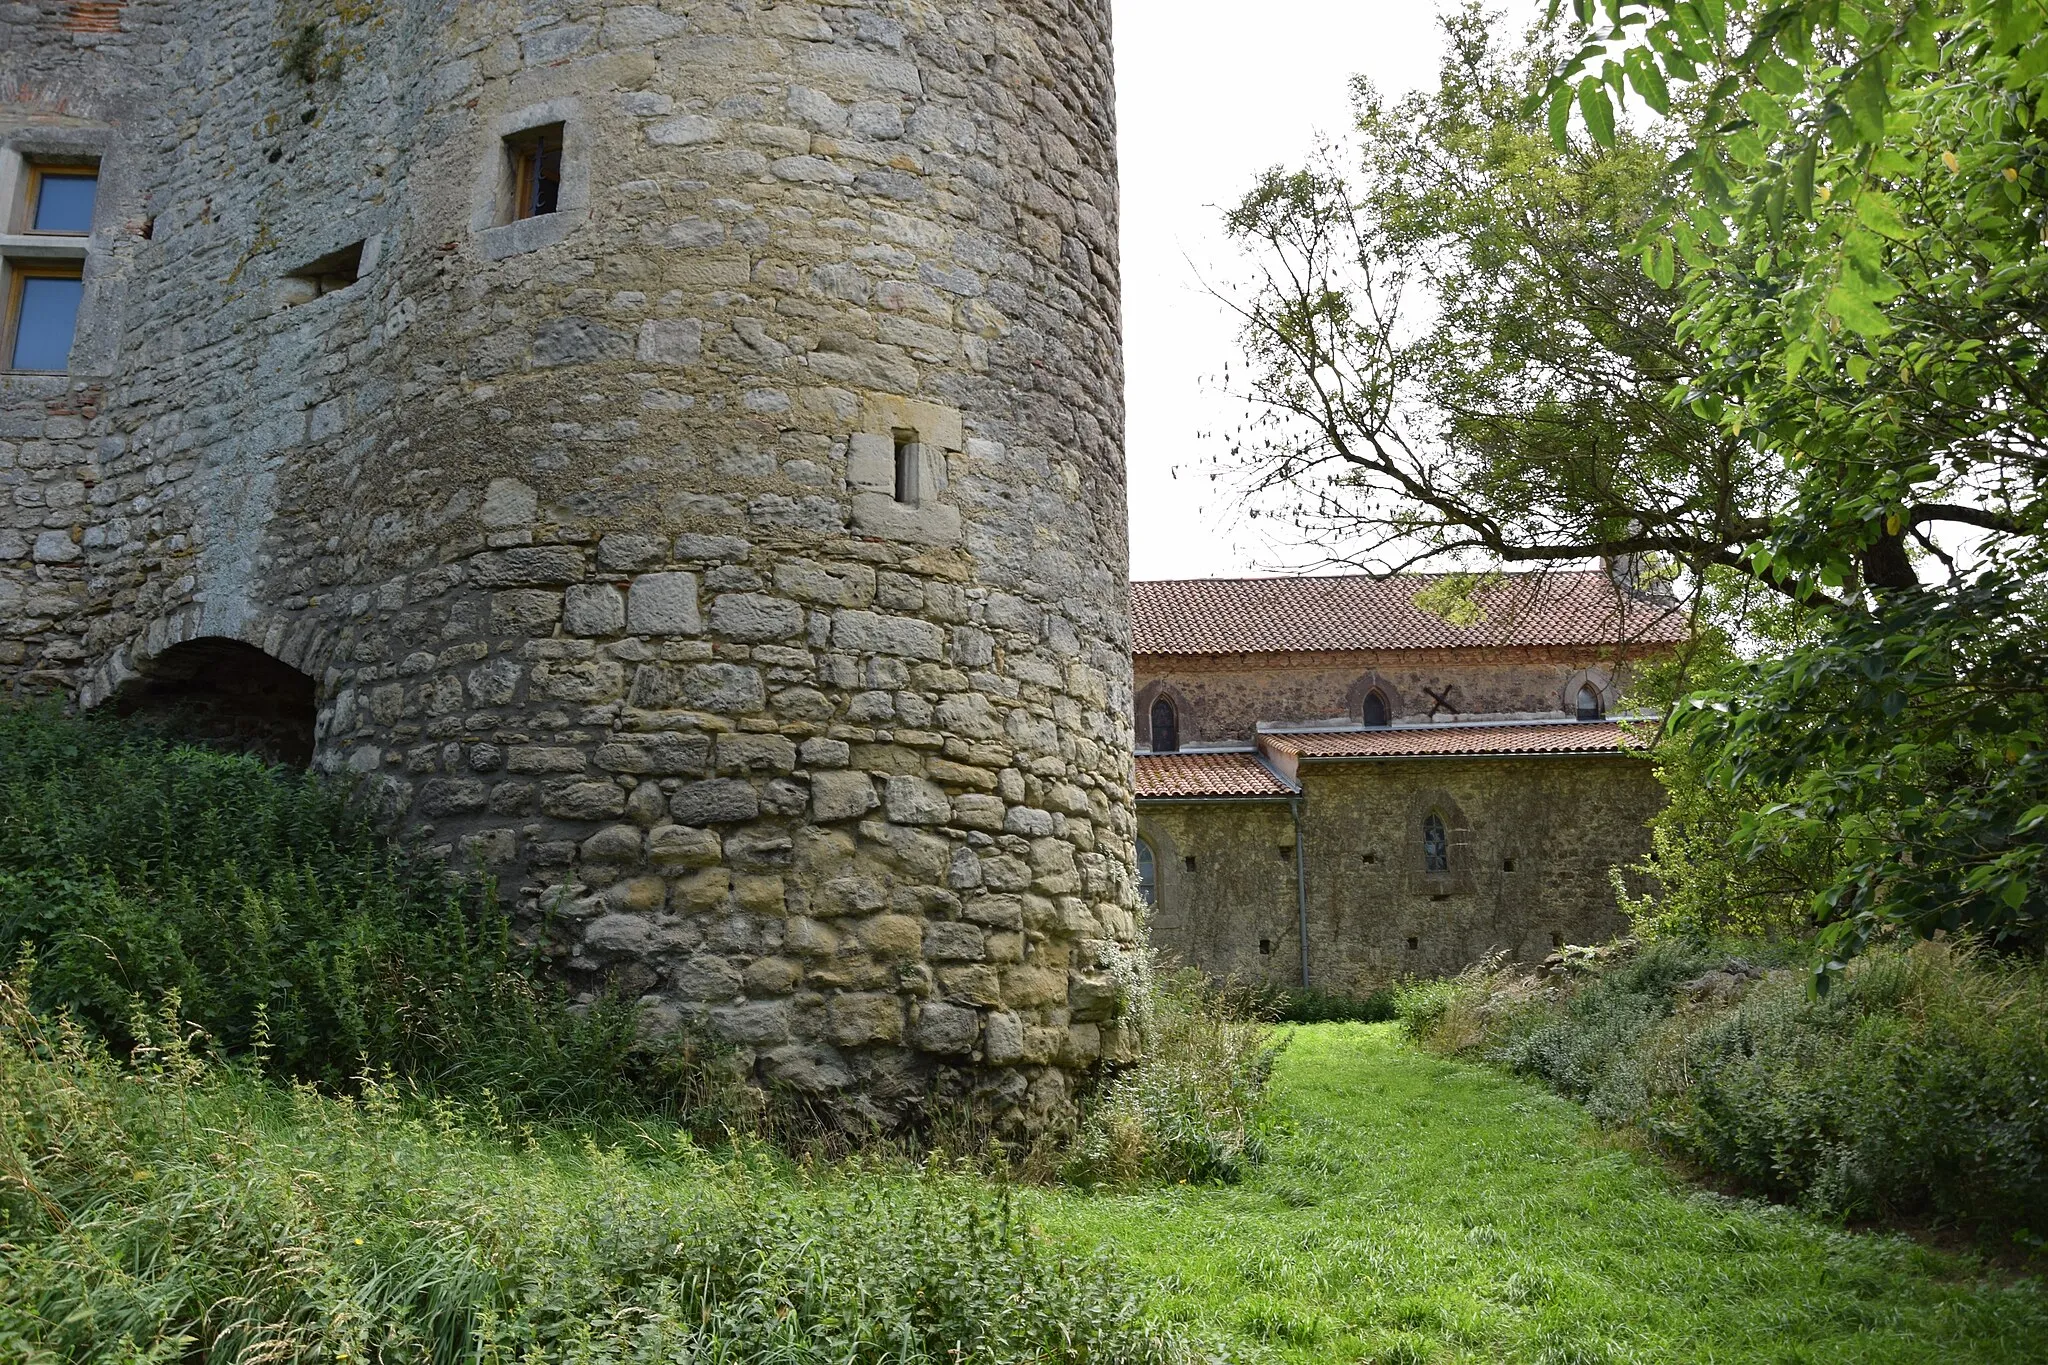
(586, 526)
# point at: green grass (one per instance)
(1416, 1209)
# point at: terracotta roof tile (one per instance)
(1358, 612)
(1206, 775)
(1447, 741)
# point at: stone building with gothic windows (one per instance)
(1337, 785)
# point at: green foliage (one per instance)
(135, 869)
(177, 1212)
(1918, 1088)
(1298, 1006)
(1859, 206)
(1191, 1108)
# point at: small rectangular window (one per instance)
(335, 271)
(42, 315)
(60, 199)
(536, 162)
(1188, 863)
(1507, 864)
(906, 467)
(1414, 943)
(1266, 946)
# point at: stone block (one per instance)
(857, 1018)
(593, 609)
(1003, 1044)
(663, 604)
(750, 753)
(953, 941)
(893, 937)
(679, 846)
(757, 1023)
(584, 800)
(714, 802)
(915, 801)
(525, 611)
(841, 795)
(977, 984)
(973, 810)
(531, 566)
(705, 976)
(754, 617)
(1091, 997)
(949, 1030)
(619, 844)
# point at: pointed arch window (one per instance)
(1587, 703)
(1165, 727)
(1148, 874)
(1436, 844)
(1376, 715)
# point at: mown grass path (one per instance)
(1422, 1210)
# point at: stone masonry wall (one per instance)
(1531, 842)
(585, 526)
(1223, 698)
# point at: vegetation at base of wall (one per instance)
(1916, 1089)
(134, 869)
(1298, 1005)
(1191, 1108)
(179, 1210)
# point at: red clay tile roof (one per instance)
(1206, 775)
(1358, 612)
(1446, 741)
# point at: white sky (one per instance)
(1209, 93)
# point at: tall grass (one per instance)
(179, 1211)
(1916, 1089)
(133, 868)
(1191, 1108)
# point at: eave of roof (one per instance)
(1484, 739)
(1208, 775)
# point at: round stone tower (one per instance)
(680, 442)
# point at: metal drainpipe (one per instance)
(1300, 886)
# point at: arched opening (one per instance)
(227, 695)
(1587, 703)
(1436, 844)
(1165, 727)
(1148, 874)
(1375, 712)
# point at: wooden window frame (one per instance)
(39, 171)
(525, 150)
(19, 273)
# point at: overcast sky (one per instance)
(1209, 93)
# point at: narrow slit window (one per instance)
(42, 316)
(1165, 727)
(60, 199)
(333, 272)
(907, 452)
(1188, 863)
(1148, 874)
(1266, 946)
(1375, 710)
(1436, 844)
(536, 157)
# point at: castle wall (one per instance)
(585, 525)
(1531, 844)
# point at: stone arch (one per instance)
(248, 683)
(1424, 805)
(1141, 712)
(1168, 910)
(1599, 679)
(1364, 686)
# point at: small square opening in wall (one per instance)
(1371, 858)
(335, 271)
(1414, 943)
(1287, 853)
(1266, 947)
(1507, 864)
(1556, 939)
(535, 159)
(1188, 863)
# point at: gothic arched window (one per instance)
(1436, 844)
(1148, 874)
(1588, 702)
(1376, 710)
(1165, 727)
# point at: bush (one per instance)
(1916, 1088)
(1189, 1109)
(1299, 1005)
(274, 909)
(177, 1211)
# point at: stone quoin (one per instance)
(671, 451)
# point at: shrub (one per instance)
(134, 868)
(1190, 1108)
(176, 1211)
(1916, 1088)
(1306, 1005)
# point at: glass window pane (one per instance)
(64, 203)
(48, 318)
